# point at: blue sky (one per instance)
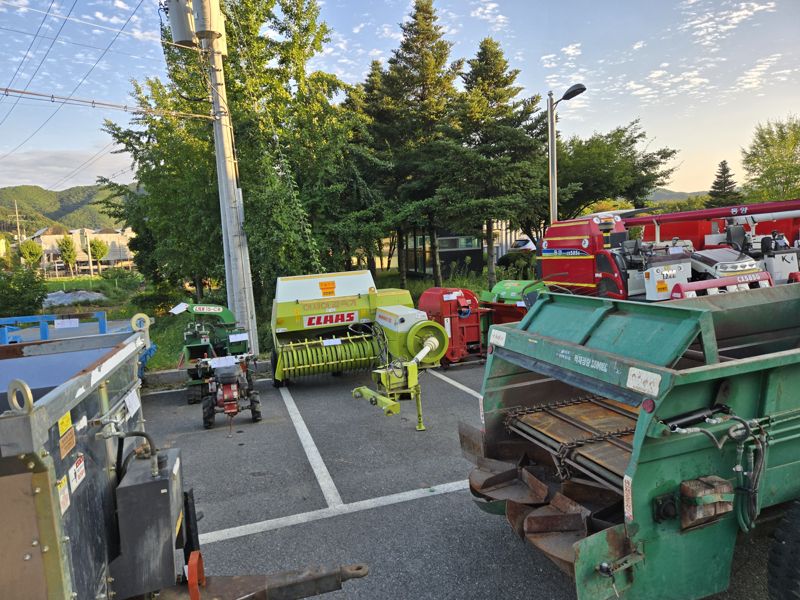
(700, 74)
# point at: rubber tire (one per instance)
(255, 406)
(209, 414)
(783, 566)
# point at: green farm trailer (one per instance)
(634, 443)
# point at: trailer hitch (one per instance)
(285, 585)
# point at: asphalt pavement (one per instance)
(342, 483)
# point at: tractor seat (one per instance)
(227, 375)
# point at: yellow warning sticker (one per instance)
(661, 286)
(328, 288)
(64, 423)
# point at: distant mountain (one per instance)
(663, 194)
(40, 208)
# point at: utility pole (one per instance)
(206, 24)
(16, 210)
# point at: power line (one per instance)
(71, 43)
(89, 161)
(41, 62)
(75, 89)
(33, 40)
(137, 36)
(71, 101)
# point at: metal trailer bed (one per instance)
(632, 442)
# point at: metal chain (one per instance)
(518, 411)
(565, 449)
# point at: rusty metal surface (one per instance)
(286, 585)
(504, 481)
(23, 574)
(598, 430)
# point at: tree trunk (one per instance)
(437, 265)
(390, 251)
(198, 288)
(490, 254)
(371, 261)
(402, 265)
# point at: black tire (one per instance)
(255, 407)
(193, 394)
(783, 567)
(208, 412)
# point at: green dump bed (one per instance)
(619, 407)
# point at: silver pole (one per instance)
(551, 151)
(239, 283)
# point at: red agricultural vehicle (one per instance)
(595, 255)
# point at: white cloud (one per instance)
(114, 20)
(753, 78)
(121, 5)
(388, 31)
(359, 27)
(573, 50)
(549, 61)
(639, 45)
(489, 11)
(711, 25)
(656, 74)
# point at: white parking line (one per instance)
(324, 478)
(326, 513)
(455, 383)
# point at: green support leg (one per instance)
(418, 399)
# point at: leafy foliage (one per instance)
(22, 291)
(772, 161)
(31, 253)
(69, 254)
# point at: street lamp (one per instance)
(573, 91)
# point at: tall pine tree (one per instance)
(420, 90)
(723, 190)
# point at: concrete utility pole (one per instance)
(16, 210)
(206, 23)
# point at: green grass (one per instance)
(167, 333)
(70, 284)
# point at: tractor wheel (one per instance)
(784, 570)
(208, 412)
(255, 406)
(193, 394)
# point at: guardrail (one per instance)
(8, 325)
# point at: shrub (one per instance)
(22, 291)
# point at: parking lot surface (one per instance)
(325, 479)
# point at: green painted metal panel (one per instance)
(654, 333)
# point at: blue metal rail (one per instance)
(8, 325)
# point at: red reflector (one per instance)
(649, 405)
(490, 349)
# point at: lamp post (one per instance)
(573, 91)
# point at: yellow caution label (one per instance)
(64, 423)
(661, 286)
(328, 288)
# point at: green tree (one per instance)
(176, 218)
(611, 165)
(772, 161)
(31, 253)
(723, 189)
(22, 291)
(496, 162)
(99, 251)
(420, 90)
(66, 247)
